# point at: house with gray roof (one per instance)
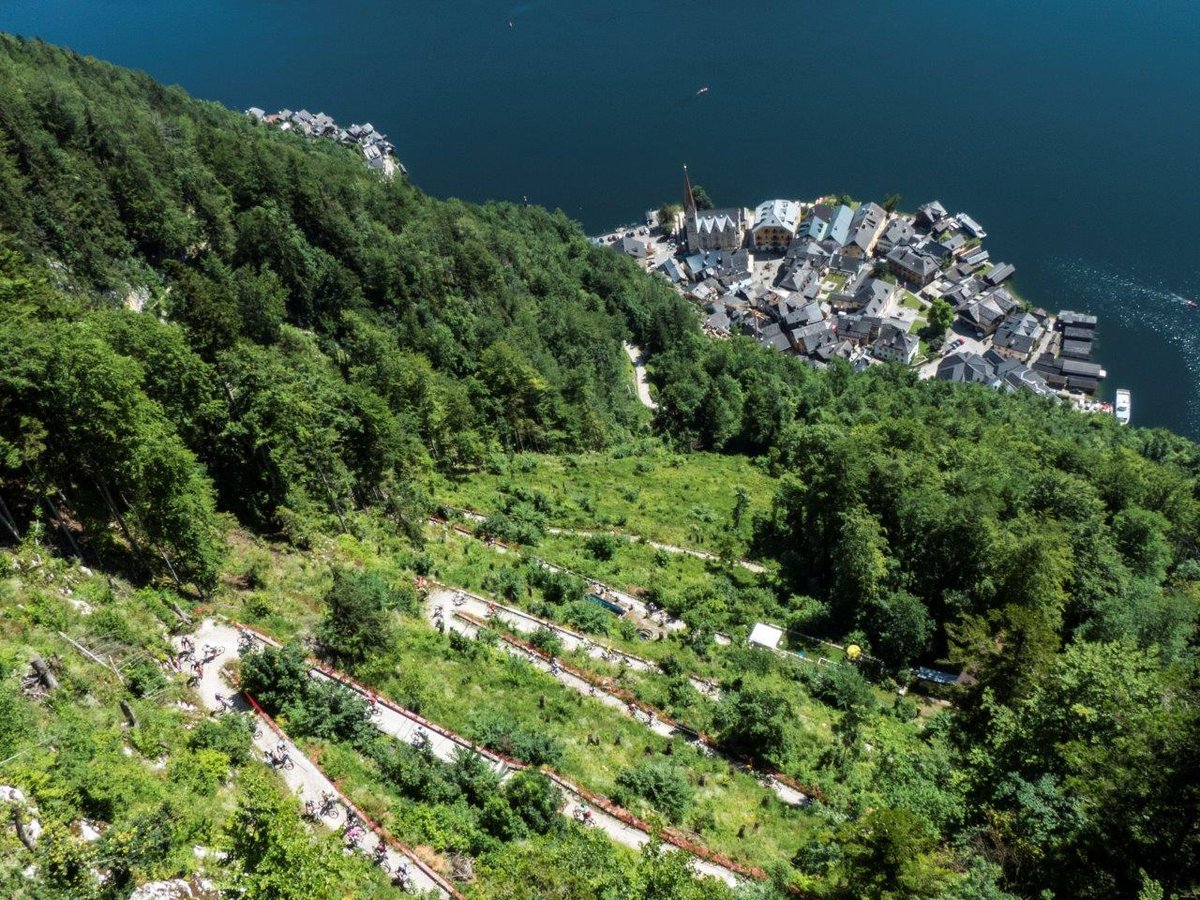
(894, 344)
(999, 273)
(1016, 376)
(1067, 318)
(673, 270)
(839, 225)
(807, 338)
(898, 231)
(775, 224)
(815, 224)
(912, 266)
(931, 212)
(718, 322)
(634, 247)
(865, 228)
(1076, 350)
(983, 314)
(1018, 335)
(967, 368)
(858, 328)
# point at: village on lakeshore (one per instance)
(863, 282)
(376, 149)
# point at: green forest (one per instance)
(240, 371)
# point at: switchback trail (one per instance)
(619, 824)
(471, 612)
(305, 779)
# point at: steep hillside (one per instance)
(238, 373)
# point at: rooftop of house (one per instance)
(777, 214)
(966, 368)
(839, 225)
(910, 260)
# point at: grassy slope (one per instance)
(683, 500)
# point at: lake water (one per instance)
(1070, 130)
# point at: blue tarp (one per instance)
(935, 676)
(607, 604)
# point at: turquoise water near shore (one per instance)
(1070, 130)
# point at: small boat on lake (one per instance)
(1123, 407)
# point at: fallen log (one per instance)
(43, 673)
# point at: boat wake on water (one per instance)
(1139, 304)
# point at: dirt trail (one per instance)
(638, 358)
(746, 564)
(305, 780)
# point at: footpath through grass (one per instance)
(687, 501)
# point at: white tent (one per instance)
(766, 636)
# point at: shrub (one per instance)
(602, 547)
(229, 735)
(842, 687)
(330, 711)
(499, 733)
(276, 678)
(587, 616)
(358, 620)
(508, 584)
(144, 677)
(661, 784)
(547, 641)
(519, 523)
(200, 771)
(535, 799)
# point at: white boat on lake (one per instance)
(1123, 407)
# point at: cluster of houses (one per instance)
(376, 149)
(1064, 364)
(836, 279)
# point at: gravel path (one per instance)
(638, 358)
(309, 783)
(305, 780)
(444, 600)
(403, 725)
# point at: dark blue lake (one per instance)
(1070, 130)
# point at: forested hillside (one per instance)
(236, 365)
(313, 334)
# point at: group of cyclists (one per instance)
(279, 756)
(188, 660)
(328, 806)
(354, 832)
